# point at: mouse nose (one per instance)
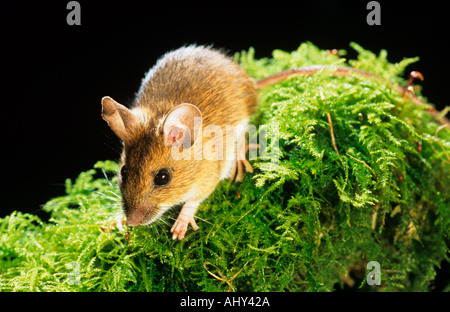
(136, 217)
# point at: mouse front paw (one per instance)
(180, 226)
(185, 218)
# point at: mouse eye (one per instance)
(123, 172)
(162, 178)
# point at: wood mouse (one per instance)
(187, 91)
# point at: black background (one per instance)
(54, 75)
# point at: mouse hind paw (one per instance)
(237, 173)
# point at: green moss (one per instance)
(309, 223)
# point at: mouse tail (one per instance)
(309, 71)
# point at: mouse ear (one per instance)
(180, 125)
(119, 118)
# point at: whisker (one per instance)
(115, 194)
(113, 148)
(164, 221)
(39, 209)
(107, 179)
(106, 196)
(197, 217)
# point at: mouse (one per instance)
(170, 156)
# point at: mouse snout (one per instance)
(137, 216)
(135, 219)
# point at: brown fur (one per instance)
(224, 94)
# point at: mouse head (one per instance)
(151, 179)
